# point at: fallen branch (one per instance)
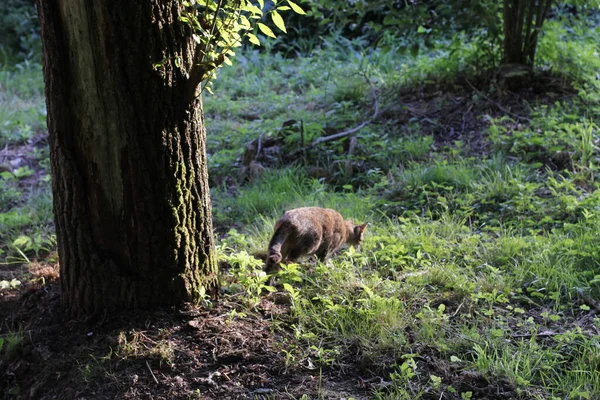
(537, 334)
(259, 146)
(340, 135)
(498, 105)
(589, 301)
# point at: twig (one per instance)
(464, 119)
(339, 135)
(497, 105)
(259, 146)
(539, 334)
(198, 71)
(351, 149)
(411, 274)
(458, 309)
(588, 300)
(151, 373)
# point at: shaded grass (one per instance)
(22, 104)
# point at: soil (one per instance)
(176, 353)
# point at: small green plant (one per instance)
(401, 378)
(12, 344)
(247, 272)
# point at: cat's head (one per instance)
(357, 235)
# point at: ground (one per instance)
(165, 354)
(478, 277)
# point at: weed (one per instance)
(12, 344)
(136, 344)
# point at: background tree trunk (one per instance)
(523, 20)
(127, 142)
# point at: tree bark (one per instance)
(523, 21)
(127, 148)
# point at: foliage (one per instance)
(19, 32)
(220, 26)
(414, 23)
(569, 47)
(22, 107)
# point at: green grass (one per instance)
(25, 205)
(473, 264)
(22, 104)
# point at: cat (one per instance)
(310, 231)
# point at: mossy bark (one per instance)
(127, 148)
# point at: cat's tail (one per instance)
(274, 256)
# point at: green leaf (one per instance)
(270, 289)
(436, 380)
(252, 9)
(296, 8)
(389, 19)
(288, 287)
(22, 242)
(265, 29)
(244, 23)
(278, 21)
(253, 39)
(5, 285)
(414, 50)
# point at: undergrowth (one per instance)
(477, 266)
(480, 267)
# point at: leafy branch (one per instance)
(219, 26)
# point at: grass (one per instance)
(22, 104)
(26, 231)
(474, 261)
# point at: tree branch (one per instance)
(339, 135)
(496, 104)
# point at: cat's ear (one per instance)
(359, 229)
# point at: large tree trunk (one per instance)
(127, 148)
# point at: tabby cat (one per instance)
(310, 231)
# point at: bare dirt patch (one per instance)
(166, 354)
